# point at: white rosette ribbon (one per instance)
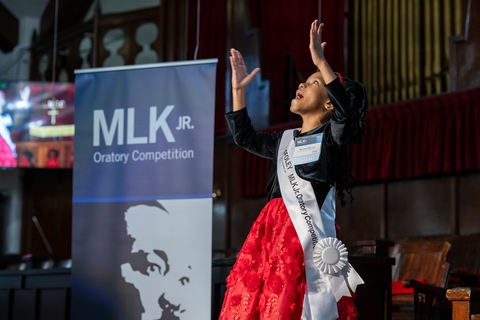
(330, 255)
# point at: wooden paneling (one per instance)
(469, 203)
(22, 299)
(363, 218)
(244, 213)
(418, 207)
(53, 304)
(49, 193)
(413, 208)
(220, 201)
(4, 303)
(39, 294)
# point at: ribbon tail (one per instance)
(339, 285)
(319, 302)
(343, 281)
(351, 276)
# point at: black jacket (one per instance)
(322, 173)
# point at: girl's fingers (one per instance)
(316, 30)
(232, 57)
(251, 75)
(240, 57)
(255, 71)
(237, 56)
(312, 32)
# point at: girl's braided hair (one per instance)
(358, 123)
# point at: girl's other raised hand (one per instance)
(316, 50)
(240, 77)
(316, 45)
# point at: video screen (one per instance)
(36, 124)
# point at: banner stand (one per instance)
(142, 191)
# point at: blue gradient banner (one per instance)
(142, 188)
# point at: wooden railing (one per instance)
(78, 47)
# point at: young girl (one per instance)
(291, 265)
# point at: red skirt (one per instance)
(268, 279)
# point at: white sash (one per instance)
(312, 225)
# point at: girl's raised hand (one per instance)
(316, 45)
(240, 77)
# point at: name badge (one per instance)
(307, 149)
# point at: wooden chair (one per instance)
(420, 260)
(463, 303)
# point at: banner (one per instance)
(142, 192)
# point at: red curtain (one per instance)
(212, 44)
(284, 27)
(423, 137)
(430, 136)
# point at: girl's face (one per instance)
(311, 96)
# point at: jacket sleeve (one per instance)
(262, 144)
(342, 114)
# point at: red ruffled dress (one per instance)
(268, 279)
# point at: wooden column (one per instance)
(461, 299)
(173, 30)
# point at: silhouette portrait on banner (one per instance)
(133, 262)
(152, 262)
